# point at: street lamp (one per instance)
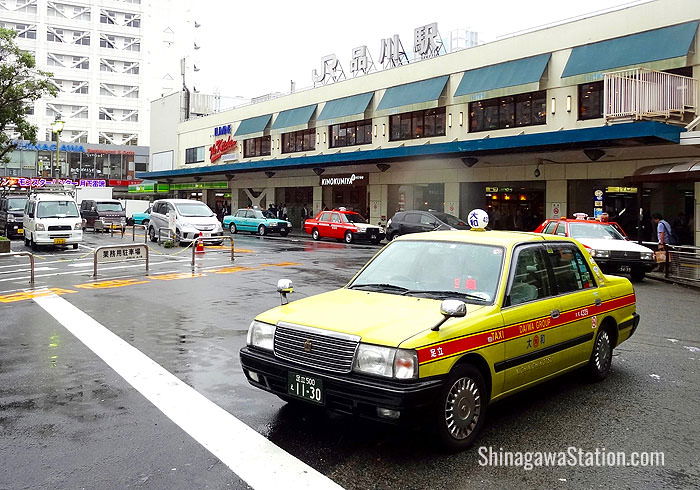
(57, 128)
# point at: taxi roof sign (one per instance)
(478, 219)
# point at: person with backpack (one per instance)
(663, 231)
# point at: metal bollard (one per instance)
(31, 262)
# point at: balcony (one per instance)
(639, 93)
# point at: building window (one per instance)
(304, 140)
(195, 155)
(352, 133)
(105, 18)
(418, 124)
(590, 100)
(257, 147)
(508, 112)
(53, 35)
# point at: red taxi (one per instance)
(342, 224)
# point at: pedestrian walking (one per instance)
(664, 234)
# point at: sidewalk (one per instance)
(659, 276)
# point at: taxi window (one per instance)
(335, 218)
(240, 213)
(530, 279)
(561, 229)
(549, 229)
(325, 217)
(571, 272)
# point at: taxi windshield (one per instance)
(355, 218)
(435, 269)
(594, 230)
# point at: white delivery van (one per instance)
(52, 219)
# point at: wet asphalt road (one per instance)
(67, 420)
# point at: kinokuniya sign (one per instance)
(345, 180)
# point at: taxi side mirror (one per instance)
(451, 308)
(285, 287)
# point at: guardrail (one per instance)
(119, 253)
(682, 262)
(31, 261)
(211, 239)
(133, 232)
(170, 233)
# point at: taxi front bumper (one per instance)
(349, 394)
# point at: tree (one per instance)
(21, 83)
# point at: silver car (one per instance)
(189, 218)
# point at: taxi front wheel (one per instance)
(461, 408)
(601, 357)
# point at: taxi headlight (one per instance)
(386, 361)
(647, 255)
(261, 335)
(600, 253)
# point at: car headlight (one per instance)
(647, 255)
(261, 335)
(78, 226)
(386, 361)
(39, 227)
(600, 253)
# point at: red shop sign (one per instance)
(220, 147)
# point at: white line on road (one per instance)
(255, 459)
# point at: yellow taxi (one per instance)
(441, 325)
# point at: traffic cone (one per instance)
(199, 248)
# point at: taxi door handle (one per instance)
(555, 314)
(598, 302)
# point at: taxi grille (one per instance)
(619, 254)
(316, 348)
(60, 228)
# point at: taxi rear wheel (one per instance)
(461, 408)
(601, 357)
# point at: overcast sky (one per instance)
(254, 47)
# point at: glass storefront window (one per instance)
(590, 100)
(44, 164)
(415, 197)
(511, 205)
(74, 166)
(101, 166)
(87, 167)
(506, 112)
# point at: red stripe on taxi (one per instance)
(482, 339)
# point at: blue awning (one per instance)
(335, 111)
(661, 49)
(293, 119)
(253, 125)
(412, 96)
(649, 132)
(511, 77)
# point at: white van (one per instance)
(52, 219)
(192, 219)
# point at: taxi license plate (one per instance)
(625, 268)
(306, 387)
(206, 234)
(59, 241)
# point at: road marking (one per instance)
(256, 460)
(25, 295)
(113, 283)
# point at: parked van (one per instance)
(52, 219)
(191, 218)
(11, 214)
(103, 214)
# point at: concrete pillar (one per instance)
(555, 194)
(697, 214)
(234, 196)
(452, 198)
(268, 197)
(378, 201)
(318, 199)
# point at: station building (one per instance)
(593, 115)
